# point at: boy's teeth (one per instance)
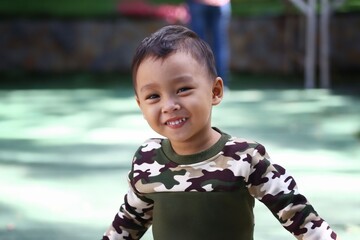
(176, 122)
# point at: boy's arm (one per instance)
(133, 218)
(271, 184)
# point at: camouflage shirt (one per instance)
(210, 195)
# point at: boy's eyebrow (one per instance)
(148, 86)
(184, 79)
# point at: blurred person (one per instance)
(171, 13)
(196, 181)
(210, 19)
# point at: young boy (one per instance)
(199, 183)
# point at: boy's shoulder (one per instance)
(151, 144)
(238, 144)
(241, 140)
(148, 147)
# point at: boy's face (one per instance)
(176, 96)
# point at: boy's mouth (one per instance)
(175, 122)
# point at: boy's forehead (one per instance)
(172, 62)
(175, 59)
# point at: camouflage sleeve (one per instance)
(271, 184)
(133, 218)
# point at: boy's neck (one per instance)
(199, 144)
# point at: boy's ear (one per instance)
(137, 100)
(217, 91)
(138, 103)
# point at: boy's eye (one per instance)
(184, 89)
(152, 96)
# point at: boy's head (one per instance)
(176, 86)
(169, 40)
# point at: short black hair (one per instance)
(170, 39)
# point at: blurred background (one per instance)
(69, 124)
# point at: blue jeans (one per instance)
(211, 23)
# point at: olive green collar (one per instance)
(197, 157)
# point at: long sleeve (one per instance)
(271, 184)
(133, 218)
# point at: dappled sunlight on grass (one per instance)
(64, 154)
(315, 117)
(69, 116)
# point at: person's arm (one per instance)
(133, 218)
(272, 185)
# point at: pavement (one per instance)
(65, 153)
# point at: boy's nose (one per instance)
(170, 105)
